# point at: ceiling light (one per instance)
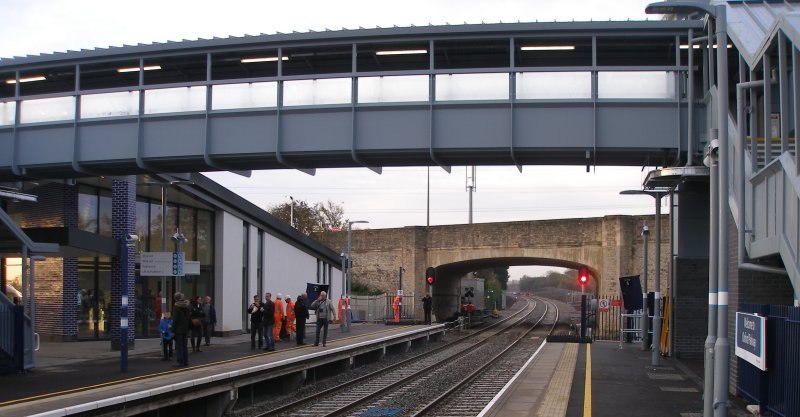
(136, 69)
(26, 79)
(549, 48)
(403, 52)
(698, 46)
(263, 59)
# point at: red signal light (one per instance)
(583, 276)
(430, 275)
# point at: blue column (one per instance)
(123, 221)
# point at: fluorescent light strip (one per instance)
(263, 59)
(403, 52)
(697, 46)
(548, 48)
(136, 69)
(26, 79)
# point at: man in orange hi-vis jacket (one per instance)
(396, 308)
(279, 310)
(290, 316)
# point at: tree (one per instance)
(311, 220)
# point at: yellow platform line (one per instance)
(587, 386)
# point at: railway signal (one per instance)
(583, 276)
(430, 275)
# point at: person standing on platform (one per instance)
(269, 323)
(166, 335)
(325, 314)
(396, 308)
(196, 314)
(290, 317)
(427, 305)
(279, 314)
(180, 327)
(209, 319)
(301, 315)
(256, 312)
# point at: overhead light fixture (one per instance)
(136, 69)
(548, 48)
(403, 52)
(698, 46)
(26, 79)
(263, 59)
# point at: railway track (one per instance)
(411, 386)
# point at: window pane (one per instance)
(554, 85)
(187, 228)
(315, 92)
(205, 237)
(172, 224)
(8, 110)
(155, 228)
(244, 96)
(105, 213)
(125, 103)
(471, 87)
(174, 100)
(87, 212)
(142, 229)
(636, 84)
(393, 89)
(47, 110)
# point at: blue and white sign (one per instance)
(751, 332)
(177, 264)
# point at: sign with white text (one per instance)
(156, 264)
(751, 339)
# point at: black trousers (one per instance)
(322, 324)
(301, 330)
(427, 316)
(256, 328)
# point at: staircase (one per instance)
(15, 355)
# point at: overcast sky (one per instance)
(398, 197)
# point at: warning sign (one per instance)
(602, 304)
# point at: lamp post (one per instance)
(720, 382)
(291, 211)
(349, 269)
(657, 194)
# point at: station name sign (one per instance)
(751, 339)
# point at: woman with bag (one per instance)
(196, 314)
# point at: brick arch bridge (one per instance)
(609, 246)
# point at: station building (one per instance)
(241, 249)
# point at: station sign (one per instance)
(157, 264)
(751, 339)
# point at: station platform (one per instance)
(71, 377)
(603, 380)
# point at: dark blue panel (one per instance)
(240, 133)
(6, 143)
(107, 140)
(392, 128)
(318, 131)
(46, 144)
(173, 137)
(471, 127)
(553, 126)
(637, 126)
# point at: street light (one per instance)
(657, 194)
(349, 269)
(719, 404)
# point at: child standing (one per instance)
(166, 335)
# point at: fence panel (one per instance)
(792, 367)
(776, 349)
(368, 308)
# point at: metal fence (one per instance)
(776, 388)
(16, 340)
(377, 308)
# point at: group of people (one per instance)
(196, 318)
(274, 321)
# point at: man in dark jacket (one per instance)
(269, 322)
(301, 315)
(180, 326)
(256, 312)
(427, 304)
(209, 319)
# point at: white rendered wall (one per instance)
(252, 279)
(287, 269)
(228, 272)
